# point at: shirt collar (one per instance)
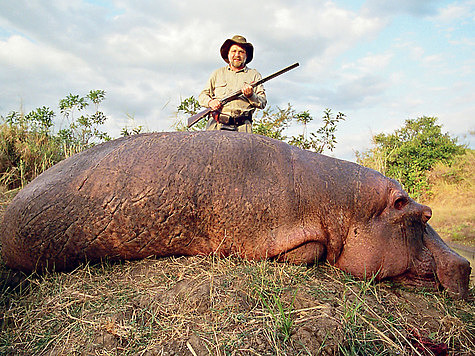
(245, 69)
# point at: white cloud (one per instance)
(393, 8)
(20, 53)
(456, 12)
(369, 64)
(147, 55)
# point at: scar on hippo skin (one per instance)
(189, 193)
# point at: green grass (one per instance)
(223, 307)
(209, 305)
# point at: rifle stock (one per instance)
(197, 117)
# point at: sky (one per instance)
(380, 62)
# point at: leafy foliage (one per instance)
(84, 130)
(409, 153)
(324, 138)
(129, 131)
(132, 129)
(29, 146)
(273, 123)
(188, 107)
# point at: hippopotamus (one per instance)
(225, 193)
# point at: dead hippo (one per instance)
(228, 193)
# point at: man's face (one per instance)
(237, 57)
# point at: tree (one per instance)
(409, 153)
(188, 107)
(84, 130)
(324, 138)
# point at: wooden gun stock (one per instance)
(197, 117)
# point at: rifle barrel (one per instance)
(276, 74)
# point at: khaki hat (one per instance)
(240, 41)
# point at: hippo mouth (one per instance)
(421, 275)
(437, 267)
(453, 270)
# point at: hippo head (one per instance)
(391, 238)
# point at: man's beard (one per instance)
(238, 63)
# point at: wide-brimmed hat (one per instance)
(240, 41)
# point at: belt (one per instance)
(230, 120)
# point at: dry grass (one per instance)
(453, 200)
(211, 306)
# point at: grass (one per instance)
(214, 306)
(452, 200)
(209, 305)
(223, 307)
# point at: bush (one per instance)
(273, 123)
(409, 153)
(25, 152)
(29, 146)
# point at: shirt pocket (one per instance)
(221, 90)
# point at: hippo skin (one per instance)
(228, 193)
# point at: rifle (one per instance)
(197, 117)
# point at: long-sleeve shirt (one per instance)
(224, 81)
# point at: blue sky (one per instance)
(378, 61)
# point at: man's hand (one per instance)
(215, 104)
(247, 90)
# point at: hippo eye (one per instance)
(400, 203)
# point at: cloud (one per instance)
(463, 11)
(20, 53)
(393, 8)
(148, 55)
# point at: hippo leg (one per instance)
(298, 245)
(308, 253)
(453, 271)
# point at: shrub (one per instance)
(29, 146)
(409, 153)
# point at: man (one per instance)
(237, 114)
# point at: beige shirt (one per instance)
(224, 81)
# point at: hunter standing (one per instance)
(237, 114)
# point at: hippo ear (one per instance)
(400, 201)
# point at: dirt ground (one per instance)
(213, 306)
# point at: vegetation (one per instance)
(83, 131)
(229, 306)
(409, 153)
(274, 122)
(188, 107)
(29, 145)
(25, 150)
(224, 306)
(452, 199)
(435, 170)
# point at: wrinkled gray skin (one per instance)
(228, 193)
